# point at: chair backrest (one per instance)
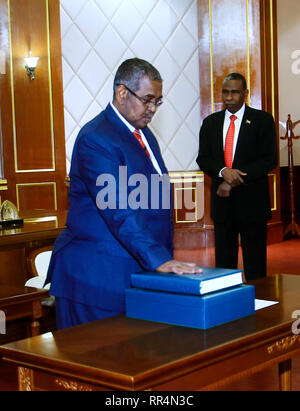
(42, 262)
(38, 262)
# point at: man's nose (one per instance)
(152, 106)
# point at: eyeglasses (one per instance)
(145, 101)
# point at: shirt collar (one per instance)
(239, 114)
(123, 119)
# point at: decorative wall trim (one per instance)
(211, 60)
(186, 176)
(50, 85)
(3, 185)
(274, 208)
(17, 170)
(248, 54)
(194, 212)
(272, 57)
(37, 184)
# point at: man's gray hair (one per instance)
(132, 70)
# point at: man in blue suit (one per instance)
(115, 227)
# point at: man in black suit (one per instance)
(240, 200)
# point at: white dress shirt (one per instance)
(131, 128)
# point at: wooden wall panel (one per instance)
(188, 194)
(32, 196)
(32, 110)
(269, 74)
(229, 42)
(32, 98)
(189, 212)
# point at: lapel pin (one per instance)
(248, 122)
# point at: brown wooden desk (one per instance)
(40, 228)
(126, 354)
(22, 302)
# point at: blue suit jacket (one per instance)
(93, 258)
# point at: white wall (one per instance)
(289, 73)
(97, 35)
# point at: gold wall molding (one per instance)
(211, 62)
(274, 208)
(272, 57)
(3, 185)
(248, 54)
(186, 176)
(12, 80)
(268, 31)
(186, 185)
(37, 184)
(178, 206)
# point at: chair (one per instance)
(38, 262)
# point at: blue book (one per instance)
(189, 310)
(210, 280)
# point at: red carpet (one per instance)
(282, 257)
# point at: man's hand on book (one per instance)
(179, 267)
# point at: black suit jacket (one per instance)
(256, 155)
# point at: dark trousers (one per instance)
(253, 237)
(70, 313)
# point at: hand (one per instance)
(224, 189)
(179, 267)
(233, 176)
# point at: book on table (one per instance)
(210, 280)
(196, 311)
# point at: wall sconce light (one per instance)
(30, 65)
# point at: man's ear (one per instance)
(121, 94)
